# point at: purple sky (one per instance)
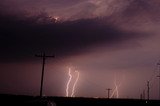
(102, 39)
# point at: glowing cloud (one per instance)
(56, 19)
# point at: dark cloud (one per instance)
(27, 27)
(22, 38)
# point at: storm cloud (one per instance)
(64, 38)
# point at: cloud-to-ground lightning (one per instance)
(70, 78)
(74, 85)
(116, 87)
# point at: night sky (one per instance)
(105, 40)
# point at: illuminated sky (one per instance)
(100, 38)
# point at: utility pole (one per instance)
(148, 88)
(108, 92)
(159, 77)
(43, 56)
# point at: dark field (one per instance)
(22, 100)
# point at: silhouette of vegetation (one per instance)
(23, 100)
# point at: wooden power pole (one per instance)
(108, 92)
(43, 56)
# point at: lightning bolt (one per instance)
(116, 87)
(74, 84)
(70, 78)
(73, 89)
